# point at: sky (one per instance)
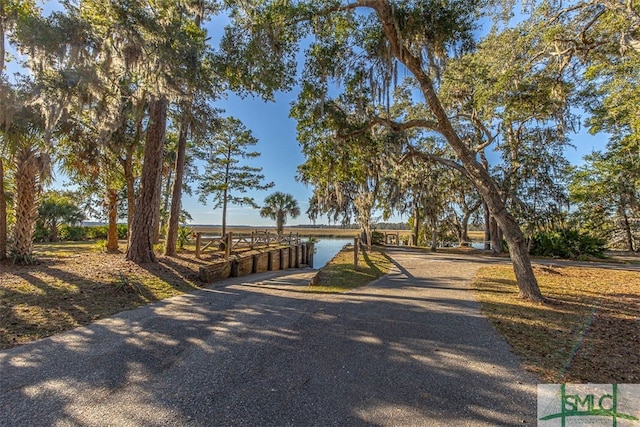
(281, 155)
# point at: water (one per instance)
(327, 248)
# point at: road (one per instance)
(411, 349)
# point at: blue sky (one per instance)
(280, 153)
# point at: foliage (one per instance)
(72, 233)
(278, 206)
(377, 238)
(184, 235)
(567, 243)
(223, 176)
(57, 208)
(345, 158)
(96, 232)
(606, 190)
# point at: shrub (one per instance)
(570, 243)
(40, 233)
(377, 238)
(72, 232)
(97, 232)
(184, 234)
(122, 231)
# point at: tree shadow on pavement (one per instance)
(243, 355)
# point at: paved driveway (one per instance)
(411, 349)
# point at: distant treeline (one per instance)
(379, 226)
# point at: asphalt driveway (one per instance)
(410, 349)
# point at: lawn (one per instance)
(74, 283)
(339, 275)
(587, 331)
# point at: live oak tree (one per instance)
(418, 38)
(134, 53)
(344, 164)
(606, 192)
(464, 203)
(224, 176)
(81, 61)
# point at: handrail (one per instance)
(246, 240)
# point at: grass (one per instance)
(587, 331)
(339, 275)
(73, 284)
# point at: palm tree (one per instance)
(278, 206)
(27, 155)
(32, 166)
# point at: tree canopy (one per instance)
(403, 107)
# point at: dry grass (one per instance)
(587, 331)
(74, 284)
(339, 275)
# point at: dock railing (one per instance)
(214, 242)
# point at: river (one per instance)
(326, 248)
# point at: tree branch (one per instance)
(393, 125)
(401, 127)
(412, 153)
(473, 118)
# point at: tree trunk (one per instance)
(279, 222)
(416, 224)
(26, 209)
(53, 230)
(130, 178)
(487, 227)
(434, 233)
(627, 230)
(481, 179)
(141, 242)
(464, 230)
(224, 212)
(3, 214)
(164, 213)
(156, 208)
(176, 195)
(496, 236)
(112, 230)
(131, 191)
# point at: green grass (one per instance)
(339, 275)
